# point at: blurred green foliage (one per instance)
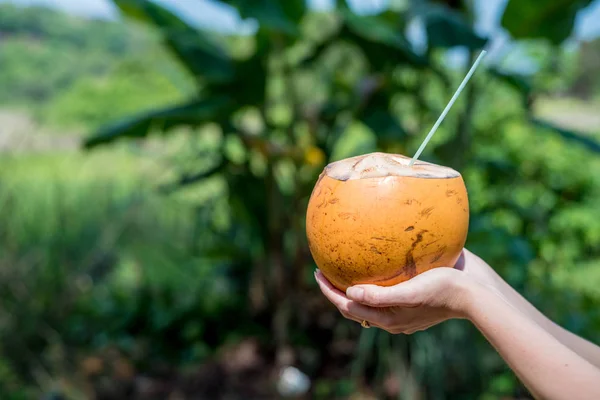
(131, 82)
(49, 61)
(187, 237)
(61, 46)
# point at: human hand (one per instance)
(531, 344)
(417, 304)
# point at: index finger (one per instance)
(335, 295)
(349, 309)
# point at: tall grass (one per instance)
(86, 245)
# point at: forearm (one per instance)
(548, 368)
(584, 348)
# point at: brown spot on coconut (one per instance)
(397, 212)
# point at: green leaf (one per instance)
(504, 383)
(381, 41)
(580, 138)
(446, 28)
(549, 19)
(315, 53)
(246, 195)
(281, 16)
(355, 140)
(522, 83)
(249, 83)
(385, 126)
(194, 113)
(380, 119)
(190, 179)
(199, 53)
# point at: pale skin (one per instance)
(552, 362)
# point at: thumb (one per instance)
(402, 294)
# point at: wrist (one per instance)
(477, 269)
(466, 294)
(477, 296)
(471, 293)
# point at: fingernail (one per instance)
(355, 293)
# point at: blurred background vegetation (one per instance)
(155, 171)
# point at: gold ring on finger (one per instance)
(365, 324)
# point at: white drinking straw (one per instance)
(441, 118)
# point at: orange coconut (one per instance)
(373, 219)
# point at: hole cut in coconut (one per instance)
(380, 165)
